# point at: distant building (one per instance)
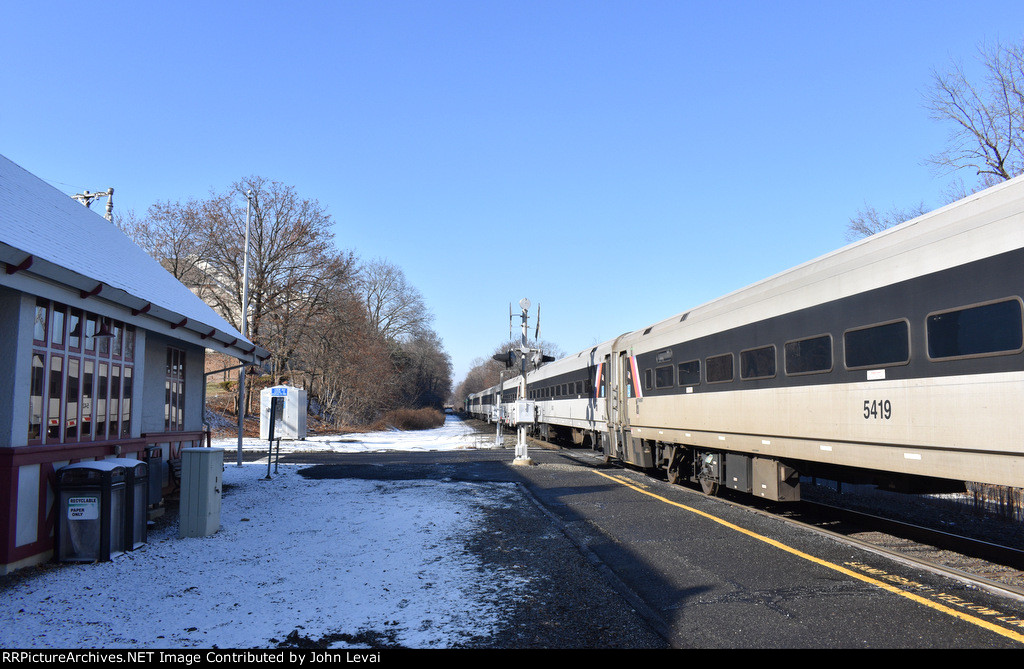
(102, 354)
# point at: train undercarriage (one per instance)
(716, 470)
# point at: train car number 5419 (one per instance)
(877, 409)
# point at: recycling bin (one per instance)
(136, 501)
(91, 511)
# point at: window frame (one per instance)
(64, 418)
(879, 365)
(831, 354)
(966, 307)
(732, 367)
(775, 362)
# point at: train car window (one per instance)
(579, 387)
(664, 377)
(689, 373)
(647, 379)
(757, 363)
(719, 368)
(877, 345)
(986, 329)
(812, 355)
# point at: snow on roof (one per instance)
(82, 249)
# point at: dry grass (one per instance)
(411, 419)
(1003, 501)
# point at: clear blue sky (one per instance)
(616, 162)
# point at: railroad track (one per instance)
(987, 565)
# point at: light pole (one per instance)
(245, 323)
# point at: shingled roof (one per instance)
(46, 235)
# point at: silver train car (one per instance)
(896, 360)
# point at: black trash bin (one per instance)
(155, 460)
(91, 511)
(136, 501)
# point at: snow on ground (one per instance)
(453, 435)
(314, 557)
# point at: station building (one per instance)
(102, 354)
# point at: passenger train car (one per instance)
(898, 359)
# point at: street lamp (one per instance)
(245, 323)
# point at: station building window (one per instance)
(174, 391)
(81, 383)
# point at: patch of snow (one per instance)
(293, 556)
(453, 435)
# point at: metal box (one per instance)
(291, 423)
(524, 411)
(738, 472)
(202, 471)
(775, 481)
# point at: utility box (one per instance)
(775, 481)
(290, 423)
(202, 472)
(738, 472)
(136, 501)
(91, 511)
(525, 410)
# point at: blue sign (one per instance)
(279, 392)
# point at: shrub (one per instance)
(413, 419)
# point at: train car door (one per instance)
(623, 391)
(610, 392)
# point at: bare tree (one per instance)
(395, 308)
(869, 220)
(426, 371)
(292, 259)
(358, 335)
(176, 235)
(987, 115)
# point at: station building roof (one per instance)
(48, 237)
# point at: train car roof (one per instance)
(978, 226)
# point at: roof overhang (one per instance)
(22, 271)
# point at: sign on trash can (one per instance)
(91, 511)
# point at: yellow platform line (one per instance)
(1016, 636)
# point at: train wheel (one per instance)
(673, 475)
(674, 472)
(709, 487)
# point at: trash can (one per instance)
(91, 511)
(136, 501)
(155, 460)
